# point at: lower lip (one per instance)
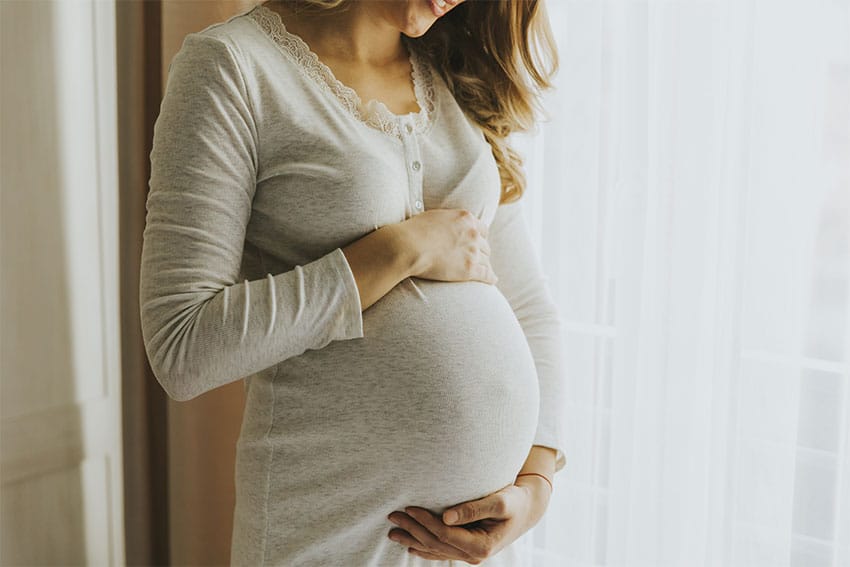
(437, 11)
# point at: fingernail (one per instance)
(451, 517)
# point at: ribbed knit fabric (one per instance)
(263, 167)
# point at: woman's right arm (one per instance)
(201, 327)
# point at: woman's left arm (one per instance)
(525, 286)
(485, 526)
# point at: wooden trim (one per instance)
(145, 416)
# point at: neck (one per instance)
(358, 35)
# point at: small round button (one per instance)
(415, 165)
(418, 204)
(409, 128)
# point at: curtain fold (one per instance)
(690, 194)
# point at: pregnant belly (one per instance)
(438, 402)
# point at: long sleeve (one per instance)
(522, 281)
(201, 327)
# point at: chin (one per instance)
(421, 15)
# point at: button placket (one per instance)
(414, 167)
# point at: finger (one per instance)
(484, 273)
(429, 541)
(427, 555)
(469, 544)
(402, 537)
(491, 506)
(485, 246)
(487, 274)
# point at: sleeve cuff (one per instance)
(549, 441)
(351, 315)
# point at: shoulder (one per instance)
(223, 44)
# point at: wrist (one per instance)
(540, 460)
(406, 250)
(539, 493)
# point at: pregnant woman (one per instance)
(366, 268)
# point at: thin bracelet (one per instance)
(551, 489)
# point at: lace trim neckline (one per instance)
(374, 113)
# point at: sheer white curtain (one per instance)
(690, 197)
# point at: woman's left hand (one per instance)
(483, 527)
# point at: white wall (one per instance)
(60, 458)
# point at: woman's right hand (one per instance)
(451, 245)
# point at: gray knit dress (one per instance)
(264, 166)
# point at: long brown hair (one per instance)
(497, 57)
